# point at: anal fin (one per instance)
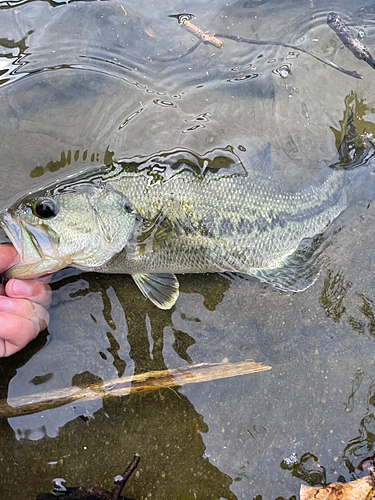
(162, 288)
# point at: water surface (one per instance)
(85, 83)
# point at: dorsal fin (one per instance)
(260, 163)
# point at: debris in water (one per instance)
(361, 489)
(355, 45)
(81, 493)
(144, 382)
(184, 22)
(205, 37)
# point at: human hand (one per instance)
(23, 306)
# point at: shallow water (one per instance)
(82, 83)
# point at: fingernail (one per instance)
(20, 288)
(5, 304)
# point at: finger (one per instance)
(16, 333)
(26, 309)
(33, 290)
(8, 257)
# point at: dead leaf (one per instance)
(361, 489)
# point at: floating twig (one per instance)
(185, 23)
(150, 381)
(202, 35)
(355, 45)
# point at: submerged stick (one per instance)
(81, 493)
(355, 46)
(354, 74)
(150, 381)
(120, 481)
(176, 58)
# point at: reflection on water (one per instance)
(11, 57)
(362, 126)
(333, 294)
(81, 84)
(333, 298)
(123, 425)
(145, 323)
(356, 384)
(364, 325)
(306, 468)
(359, 454)
(66, 158)
(126, 425)
(11, 4)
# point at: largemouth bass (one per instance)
(240, 219)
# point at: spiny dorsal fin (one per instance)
(162, 289)
(260, 163)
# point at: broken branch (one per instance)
(80, 493)
(120, 482)
(355, 46)
(150, 381)
(215, 40)
(202, 35)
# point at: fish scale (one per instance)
(230, 202)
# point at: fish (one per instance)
(342, 30)
(158, 218)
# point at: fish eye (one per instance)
(128, 208)
(45, 208)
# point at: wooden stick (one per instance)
(81, 493)
(120, 481)
(202, 35)
(205, 37)
(150, 381)
(355, 46)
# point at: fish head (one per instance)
(80, 225)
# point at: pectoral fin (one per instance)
(161, 289)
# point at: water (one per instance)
(82, 83)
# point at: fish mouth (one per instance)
(36, 246)
(13, 231)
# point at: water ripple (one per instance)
(11, 4)
(166, 104)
